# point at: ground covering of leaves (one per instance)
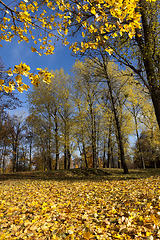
(84, 209)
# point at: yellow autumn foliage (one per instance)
(56, 20)
(33, 209)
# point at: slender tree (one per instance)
(89, 88)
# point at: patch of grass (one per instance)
(82, 174)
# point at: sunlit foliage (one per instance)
(41, 23)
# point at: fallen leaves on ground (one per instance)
(32, 209)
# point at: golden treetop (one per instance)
(41, 24)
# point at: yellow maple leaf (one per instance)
(85, 7)
(25, 86)
(20, 89)
(88, 235)
(118, 236)
(83, 35)
(148, 234)
(7, 89)
(1, 81)
(9, 72)
(93, 10)
(109, 50)
(18, 79)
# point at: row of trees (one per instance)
(85, 120)
(9, 127)
(128, 30)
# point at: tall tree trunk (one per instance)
(49, 160)
(109, 147)
(3, 163)
(4, 156)
(44, 163)
(65, 146)
(84, 153)
(68, 150)
(94, 149)
(14, 158)
(104, 155)
(24, 160)
(57, 161)
(138, 141)
(146, 48)
(94, 153)
(119, 133)
(69, 158)
(65, 156)
(112, 157)
(57, 143)
(109, 154)
(17, 158)
(155, 95)
(30, 155)
(119, 164)
(97, 134)
(153, 150)
(93, 137)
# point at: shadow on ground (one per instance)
(83, 174)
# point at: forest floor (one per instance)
(102, 204)
(82, 174)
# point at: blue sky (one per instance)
(13, 53)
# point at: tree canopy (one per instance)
(42, 23)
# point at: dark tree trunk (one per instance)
(147, 49)
(112, 157)
(97, 135)
(65, 156)
(4, 155)
(45, 160)
(84, 153)
(153, 149)
(104, 155)
(14, 159)
(30, 155)
(57, 161)
(119, 164)
(119, 133)
(94, 149)
(49, 163)
(139, 145)
(65, 146)
(49, 156)
(109, 154)
(93, 138)
(57, 144)
(109, 148)
(69, 158)
(68, 150)
(155, 95)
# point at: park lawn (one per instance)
(103, 205)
